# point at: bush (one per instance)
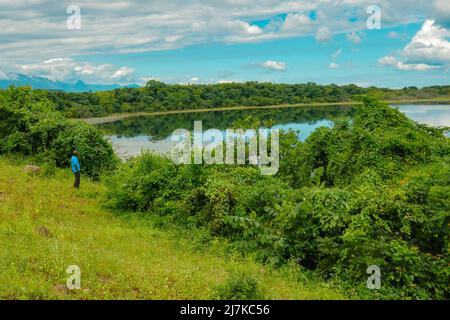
(380, 143)
(372, 191)
(238, 286)
(30, 126)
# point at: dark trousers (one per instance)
(77, 180)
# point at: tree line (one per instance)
(159, 96)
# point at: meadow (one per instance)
(45, 226)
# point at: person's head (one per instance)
(76, 153)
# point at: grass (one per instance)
(45, 226)
(120, 116)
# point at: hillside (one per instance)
(45, 226)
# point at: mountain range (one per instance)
(37, 82)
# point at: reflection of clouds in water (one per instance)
(125, 147)
(130, 147)
(305, 129)
(420, 108)
(433, 115)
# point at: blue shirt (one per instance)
(75, 164)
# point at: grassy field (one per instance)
(120, 116)
(45, 226)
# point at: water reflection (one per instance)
(132, 135)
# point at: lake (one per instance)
(132, 135)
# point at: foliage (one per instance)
(371, 191)
(238, 286)
(162, 126)
(29, 125)
(158, 96)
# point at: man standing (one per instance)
(75, 164)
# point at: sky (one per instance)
(368, 43)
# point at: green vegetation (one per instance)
(372, 191)
(163, 126)
(30, 125)
(238, 287)
(45, 227)
(159, 97)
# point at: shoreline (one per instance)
(121, 116)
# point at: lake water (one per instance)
(132, 135)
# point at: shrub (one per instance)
(372, 191)
(238, 286)
(30, 126)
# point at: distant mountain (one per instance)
(17, 79)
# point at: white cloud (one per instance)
(333, 65)
(296, 22)
(274, 65)
(54, 60)
(34, 31)
(393, 62)
(323, 34)
(223, 81)
(3, 75)
(173, 38)
(396, 35)
(336, 54)
(442, 8)
(194, 80)
(220, 25)
(393, 35)
(123, 72)
(68, 70)
(429, 45)
(428, 49)
(354, 37)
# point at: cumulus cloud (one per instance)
(273, 65)
(394, 62)
(323, 34)
(428, 49)
(34, 31)
(296, 22)
(430, 45)
(68, 70)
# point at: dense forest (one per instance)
(158, 96)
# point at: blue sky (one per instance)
(305, 60)
(229, 41)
